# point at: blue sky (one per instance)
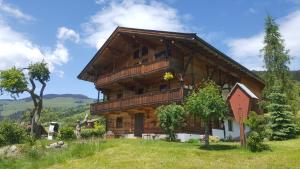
(68, 33)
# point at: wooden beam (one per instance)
(137, 40)
(187, 64)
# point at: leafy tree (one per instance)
(171, 117)
(282, 120)
(15, 82)
(276, 59)
(207, 103)
(258, 131)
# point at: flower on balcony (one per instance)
(168, 76)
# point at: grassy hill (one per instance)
(14, 108)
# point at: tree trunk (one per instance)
(206, 138)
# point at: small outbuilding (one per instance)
(242, 100)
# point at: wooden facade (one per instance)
(128, 70)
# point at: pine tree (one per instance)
(276, 57)
(281, 118)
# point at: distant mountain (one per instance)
(295, 74)
(52, 96)
(14, 108)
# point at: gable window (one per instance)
(119, 122)
(163, 87)
(145, 61)
(136, 54)
(144, 50)
(140, 91)
(119, 95)
(162, 54)
(230, 128)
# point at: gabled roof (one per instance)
(244, 88)
(189, 37)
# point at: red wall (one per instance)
(239, 102)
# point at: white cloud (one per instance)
(247, 50)
(130, 13)
(100, 2)
(17, 50)
(13, 11)
(64, 33)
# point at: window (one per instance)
(140, 91)
(136, 54)
(163, 87)
(162, 54)
(230, 125)
(119, 95)
(144, 50)
(119, 122)
(145, 61)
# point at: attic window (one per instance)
(162, 54)
(163, 87)
(144, 50)
(140, 91)
(136, 54)
(119, 95)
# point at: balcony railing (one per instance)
(133, 71)
(149, 99)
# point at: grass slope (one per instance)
(10, 107)
(143, 154)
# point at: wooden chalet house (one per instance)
(128, 70)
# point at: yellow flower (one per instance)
(168, 76)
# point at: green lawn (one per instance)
(125, 153)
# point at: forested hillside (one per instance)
(14, 109)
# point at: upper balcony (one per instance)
(134, 71)
(147, 99)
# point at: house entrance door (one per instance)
(138, 124)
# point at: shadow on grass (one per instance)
(218, 147)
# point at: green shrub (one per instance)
(254, 142)
(258, 132)
(66, 133)
(97, 131)
(11, 133)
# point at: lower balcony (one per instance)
(148, 99)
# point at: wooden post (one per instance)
(242, 129)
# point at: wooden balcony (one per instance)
(133, 71)
(148, 99)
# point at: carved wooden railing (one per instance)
(149, 99)
(133, 71)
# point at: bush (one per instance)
(11, 133)
(258, 132)
(66, 133)
(171, 117)
(97, 131)
(254, 142)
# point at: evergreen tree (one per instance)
(276, 59)
(282, 119)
